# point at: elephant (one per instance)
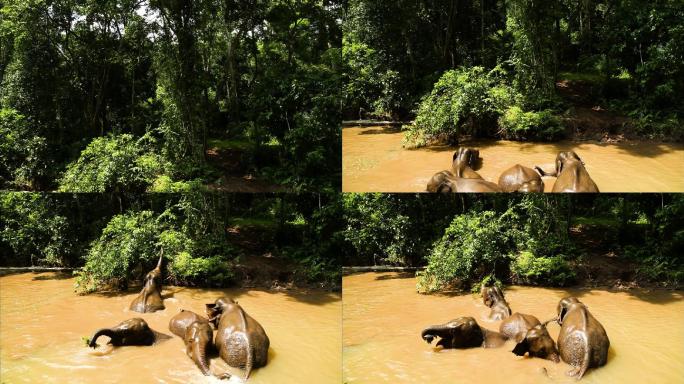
(198, 337)
(130, 332)
(530, 335)
(149, 299)
(494, 299)
(571, 176)
(462, 177)
(462, 333)
(240, 340)
(582, 341)
(521, 179)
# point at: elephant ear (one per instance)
(521, 348)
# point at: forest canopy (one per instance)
(216, 86)
(554, 58)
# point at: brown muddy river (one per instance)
(383, 318)
(373, 160)
(42, 322)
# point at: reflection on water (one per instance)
(42, 322)
(383, 317)
(374, 161)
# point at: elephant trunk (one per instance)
(102, 332)
(201, 358)
(430, 332)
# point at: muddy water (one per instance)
(374, 161)
(383, 317)
(42, 322)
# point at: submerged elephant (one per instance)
(240, 340)
(130, 332)
(198, 336)
(463, 332)
(582, 341)
(530, 335)
(149, 299)
(494, 299)
(521, 179)
(462, 177)
(571, 174)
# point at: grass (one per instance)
(228, 144)
(261, 222)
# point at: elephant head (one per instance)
(130, 332)
(216, 309)
(564, 158)
(463, 332)
(468, 156)
(441, 182)
(490, 295)
(563, 306)
(538, 343)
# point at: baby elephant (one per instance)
(582, 341)
(530, 335)
(197, 335)
(494, 299)
(149, 299)
(463, 332)
(130, 332)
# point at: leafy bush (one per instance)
(470, 249)
(34, 233)
(165, 184)
(459, 103)
(115, 162)
(528, 269)
(127, 241)
(188, 270)
(516, 124)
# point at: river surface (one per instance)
(42, 322)
(383, 318)
(374, 161)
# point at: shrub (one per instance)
(34, 233)
(165, 184)
(115, 162)
(470, 249)
(128, 240)
(516, 124)
(528, 269)
(187, 270)
(459, 102)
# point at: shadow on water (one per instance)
(52, 276)
(380, 131)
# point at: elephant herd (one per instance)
(240, 340)
(582, 341)
(570, 173)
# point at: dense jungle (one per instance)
(517, 70)
(169, 95)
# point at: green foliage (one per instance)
(113, 163)
(530, 270)
(22, 153)
(209, 271)
(470, 249)
(466, 100)
(33, 232)
(518, 125)
(127, 241)
(488, 281)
